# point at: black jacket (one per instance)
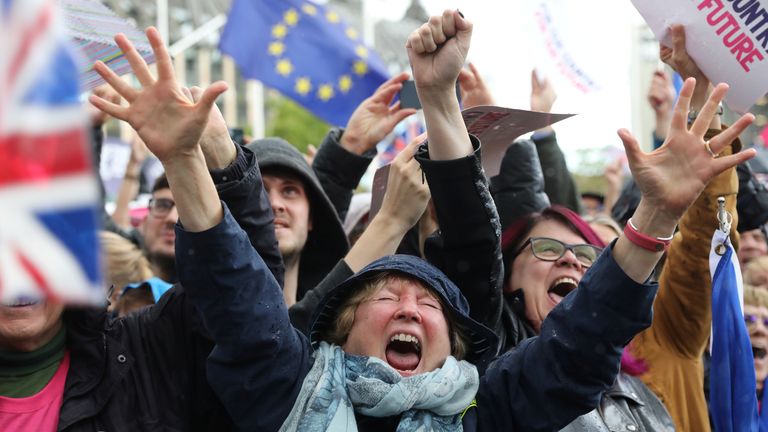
(558, 182)
(339, 170)
(146, 371)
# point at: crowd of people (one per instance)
(260, 293)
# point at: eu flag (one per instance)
(306, 52)
(732, 395)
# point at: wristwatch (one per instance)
(692, 114)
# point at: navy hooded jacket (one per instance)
(260, 360)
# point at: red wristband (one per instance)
(646, 242)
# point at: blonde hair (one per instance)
(754, 296)
(604, 220)
(124, 262)
(345, 318)
(753, 268)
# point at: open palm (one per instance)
(672, 176)
(167, 120)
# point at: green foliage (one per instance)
(287, 120)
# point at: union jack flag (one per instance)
(48, 193)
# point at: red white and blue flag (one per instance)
(48, 191)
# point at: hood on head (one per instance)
(482, 343)
(326, 243)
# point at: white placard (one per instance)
(728, 39)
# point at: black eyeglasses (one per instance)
(753, 319)
(549, 249)
(160, 207)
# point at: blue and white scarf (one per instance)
(338, 385)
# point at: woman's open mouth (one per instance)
(560, 288)
(403, 353)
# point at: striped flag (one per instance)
(732, 394)
(48, 192)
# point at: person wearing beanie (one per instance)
(308, 230)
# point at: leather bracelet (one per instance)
(131, 177)
(653, 244)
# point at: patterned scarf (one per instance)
(338, 385)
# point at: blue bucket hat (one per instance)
(482, 342)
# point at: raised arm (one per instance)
(404, 202)
(345, 154)
(237, 296)
(468, 248)
(672, 347)
(437, 51)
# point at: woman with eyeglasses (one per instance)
(546, 255)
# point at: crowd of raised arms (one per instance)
(260, 294)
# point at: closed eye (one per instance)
(431, 304)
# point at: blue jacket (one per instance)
(260, 360)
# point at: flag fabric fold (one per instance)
(306, 52)
(732, 395)
(48, 191)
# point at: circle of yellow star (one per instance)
(276, 49)
(360, 67)
(303, 86)
(309, 9)
(351, 33)
(361, 51)
(279, 31)
(325, 92)
(284, 67)
(291, 17)
(345, 83)
(332, 17)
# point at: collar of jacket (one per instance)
(89, 366)
(514, 325)
(623, 388)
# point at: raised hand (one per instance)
(661, 93)
(168, 122)
(474, 92)
(99, 117)
(218, 148)
(407, 194)
(672, 176)
(438, 49)
(543, 95)
(375, 117)
(677, 57)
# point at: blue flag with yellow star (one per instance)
(306, 52)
